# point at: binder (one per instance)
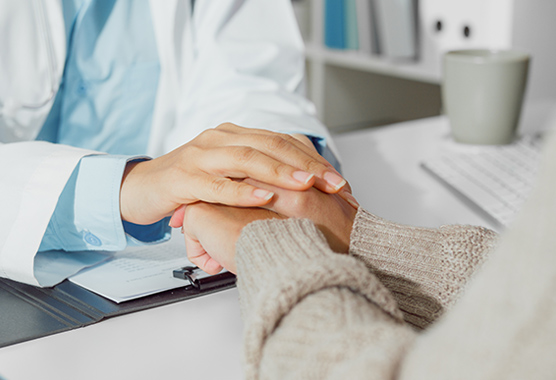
(397, 28)
(352, 33)
(366, 26)
(334, 24)
(28, 312)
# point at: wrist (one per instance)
(127, 193)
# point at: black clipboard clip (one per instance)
(203, 281)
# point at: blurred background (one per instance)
(377, 62)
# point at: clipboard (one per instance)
(28, 312)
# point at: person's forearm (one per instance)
(424, 268)
(309, 312)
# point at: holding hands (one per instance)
(207, 168)
(230, 176)
(211, 231)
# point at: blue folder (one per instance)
(334, 24)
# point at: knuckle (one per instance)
(239, 190)
(226, 126)
(219, 133)
(277, 170)
(217, 186)
(277, 142)
(243, 154)
(206, 136)
(302, 139)
(313, 166)
(289, 138)
(226, 191)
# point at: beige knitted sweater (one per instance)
(313, 314)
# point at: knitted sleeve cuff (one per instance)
(424, 268)
(279, 262)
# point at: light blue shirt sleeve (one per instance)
(87, 216)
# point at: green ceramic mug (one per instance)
(482, 93)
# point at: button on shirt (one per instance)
(105, 103)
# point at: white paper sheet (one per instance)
(53, 267)
(136, 272)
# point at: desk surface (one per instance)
(201, 338)
(384, 169)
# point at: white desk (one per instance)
(384, 169)
(201, 338)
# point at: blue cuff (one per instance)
(87, 215)
(147, 234)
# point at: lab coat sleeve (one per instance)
(59, 197)
(240, 62)
(32, 177)
(87, 215)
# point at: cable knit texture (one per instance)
(504, 326)
(424, 268)
(313, 314)
(285, 268)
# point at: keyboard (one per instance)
(496, 179)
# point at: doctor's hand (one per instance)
(212, 230)
(207, 168)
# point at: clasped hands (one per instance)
(230, 176)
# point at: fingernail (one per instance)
(334, 180)
(351, 199)
(302, 177)
(263, 194)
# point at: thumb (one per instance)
(176, 221)
(200, 257)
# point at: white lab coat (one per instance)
(234, 60)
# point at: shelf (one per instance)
(412, 70)
(352, 89)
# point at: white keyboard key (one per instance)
(497, 179)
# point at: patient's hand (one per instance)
(333, 214)
(212, 230)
